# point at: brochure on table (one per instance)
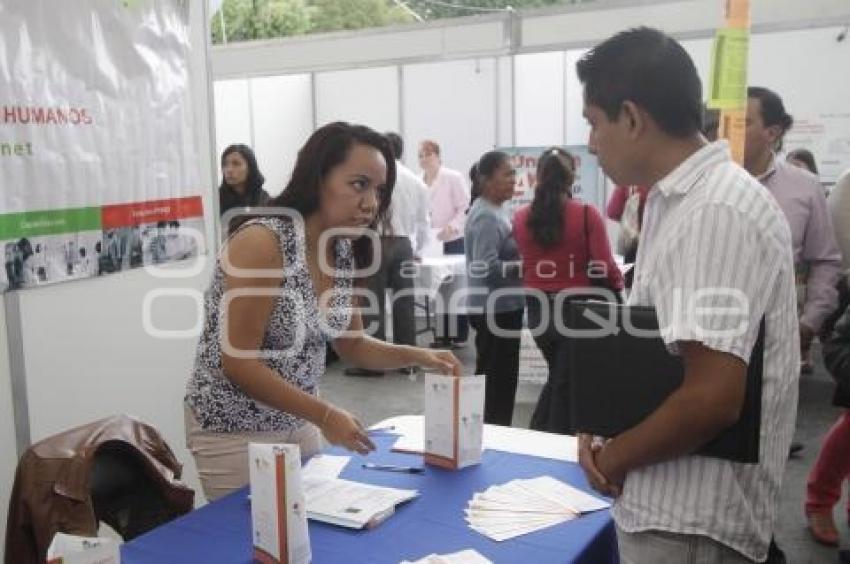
(454, 420)
(278, 509)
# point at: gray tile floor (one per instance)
(374, 399)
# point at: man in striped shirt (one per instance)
(714, 259)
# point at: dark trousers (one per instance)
(552, 412)
(497, 357)
(396, 252)
(451, 326)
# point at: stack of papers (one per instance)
(524, 506)
(345, 503)
(351, 504)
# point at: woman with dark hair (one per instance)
(282, 289)
(561, 241)
(495, 301)
(803, 158)
(241, 182)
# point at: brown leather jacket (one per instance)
(51, 491)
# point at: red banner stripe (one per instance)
(126, 215)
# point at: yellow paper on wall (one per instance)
(729, 60)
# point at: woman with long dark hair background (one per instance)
(561, 240)
(241, 182)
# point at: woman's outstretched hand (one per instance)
(343, 429)
(443, 362)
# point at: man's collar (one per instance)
(684, 176)
(771, 169)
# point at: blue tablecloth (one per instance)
(433, 522)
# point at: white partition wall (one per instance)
(509, 79)
(233, 122)
(505, 100)
(453, 103)
(809, 69)
(8, 462)
(576, 126)
(539, 99)
(282, 108)
(366, 96)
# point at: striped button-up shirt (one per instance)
(714, 240)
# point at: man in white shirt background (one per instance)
(402, 237)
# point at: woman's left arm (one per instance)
(367, 352)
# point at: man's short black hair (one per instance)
(396, 144)
(650, 69)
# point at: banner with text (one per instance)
(588, 186)
(98, 157)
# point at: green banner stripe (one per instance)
(50, 222)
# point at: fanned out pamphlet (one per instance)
(454, 420)
(524, 506)
(352, 504)
(278, 512)
(468, 556)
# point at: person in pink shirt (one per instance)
(558, 238)
(449, 200)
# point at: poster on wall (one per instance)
(827, 136)
(588, 186)
(99, 164)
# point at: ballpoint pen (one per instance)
(393, 468)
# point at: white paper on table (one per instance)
(559, 492)
(496, 437)
(351, 504)
(324, 466)
(73, 549)
(504, 533)
(530, 442)
(523, 506)
(468, 556)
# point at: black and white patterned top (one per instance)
(293, 345)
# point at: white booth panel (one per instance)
(8, 443)
(364, 96)
(232, 115)
(700, 52)
(506, 102)
(539, 102)
(808, 69)
(282, 120)
(577, 130)
(452, 103)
